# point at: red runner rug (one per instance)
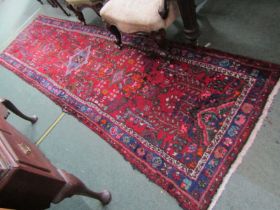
(181, 118)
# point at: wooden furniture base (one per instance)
(28, 180)
(188, 14)
(55, 3)
(77, 9)
(187, 11)
(10, 106)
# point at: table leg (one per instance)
(10, 106)
(74, 186)
(188, 14)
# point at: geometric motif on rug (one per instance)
(180, 119)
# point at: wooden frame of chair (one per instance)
(77, 9)
(158, 36)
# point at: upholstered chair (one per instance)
(78, 5)
(131, 16)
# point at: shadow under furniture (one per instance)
(28, 180)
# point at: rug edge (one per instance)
(232, 168)
(22, 27)
(264, 64)
(237, 162)
(133, 161)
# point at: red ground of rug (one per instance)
(181, 119)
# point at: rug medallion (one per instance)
(180, 118)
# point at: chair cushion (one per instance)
(138, 15)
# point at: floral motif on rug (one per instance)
(180, 118)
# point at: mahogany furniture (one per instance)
(10, 106)
(187, 11)
(28, 180)
(188, 14)
(76, 6)
(144, 16)
(55, 3)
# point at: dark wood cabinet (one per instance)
(28, 180)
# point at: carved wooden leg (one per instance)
(74, 186)
(10, 106)
(78, 13)
(115, 31)
(165, 10)
(188, 14)
(59, 5)
(52, 3)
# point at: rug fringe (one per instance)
(246, 147)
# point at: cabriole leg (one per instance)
(10, 106)
(75, 186)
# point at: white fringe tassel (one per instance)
(246, 147)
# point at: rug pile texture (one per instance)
(181, 118)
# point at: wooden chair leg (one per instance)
(63, 10)
(74, 186)
(52, 3)
(10, 106)
(78, 13)
(165, 10)
(188, 14)
(115, 31)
